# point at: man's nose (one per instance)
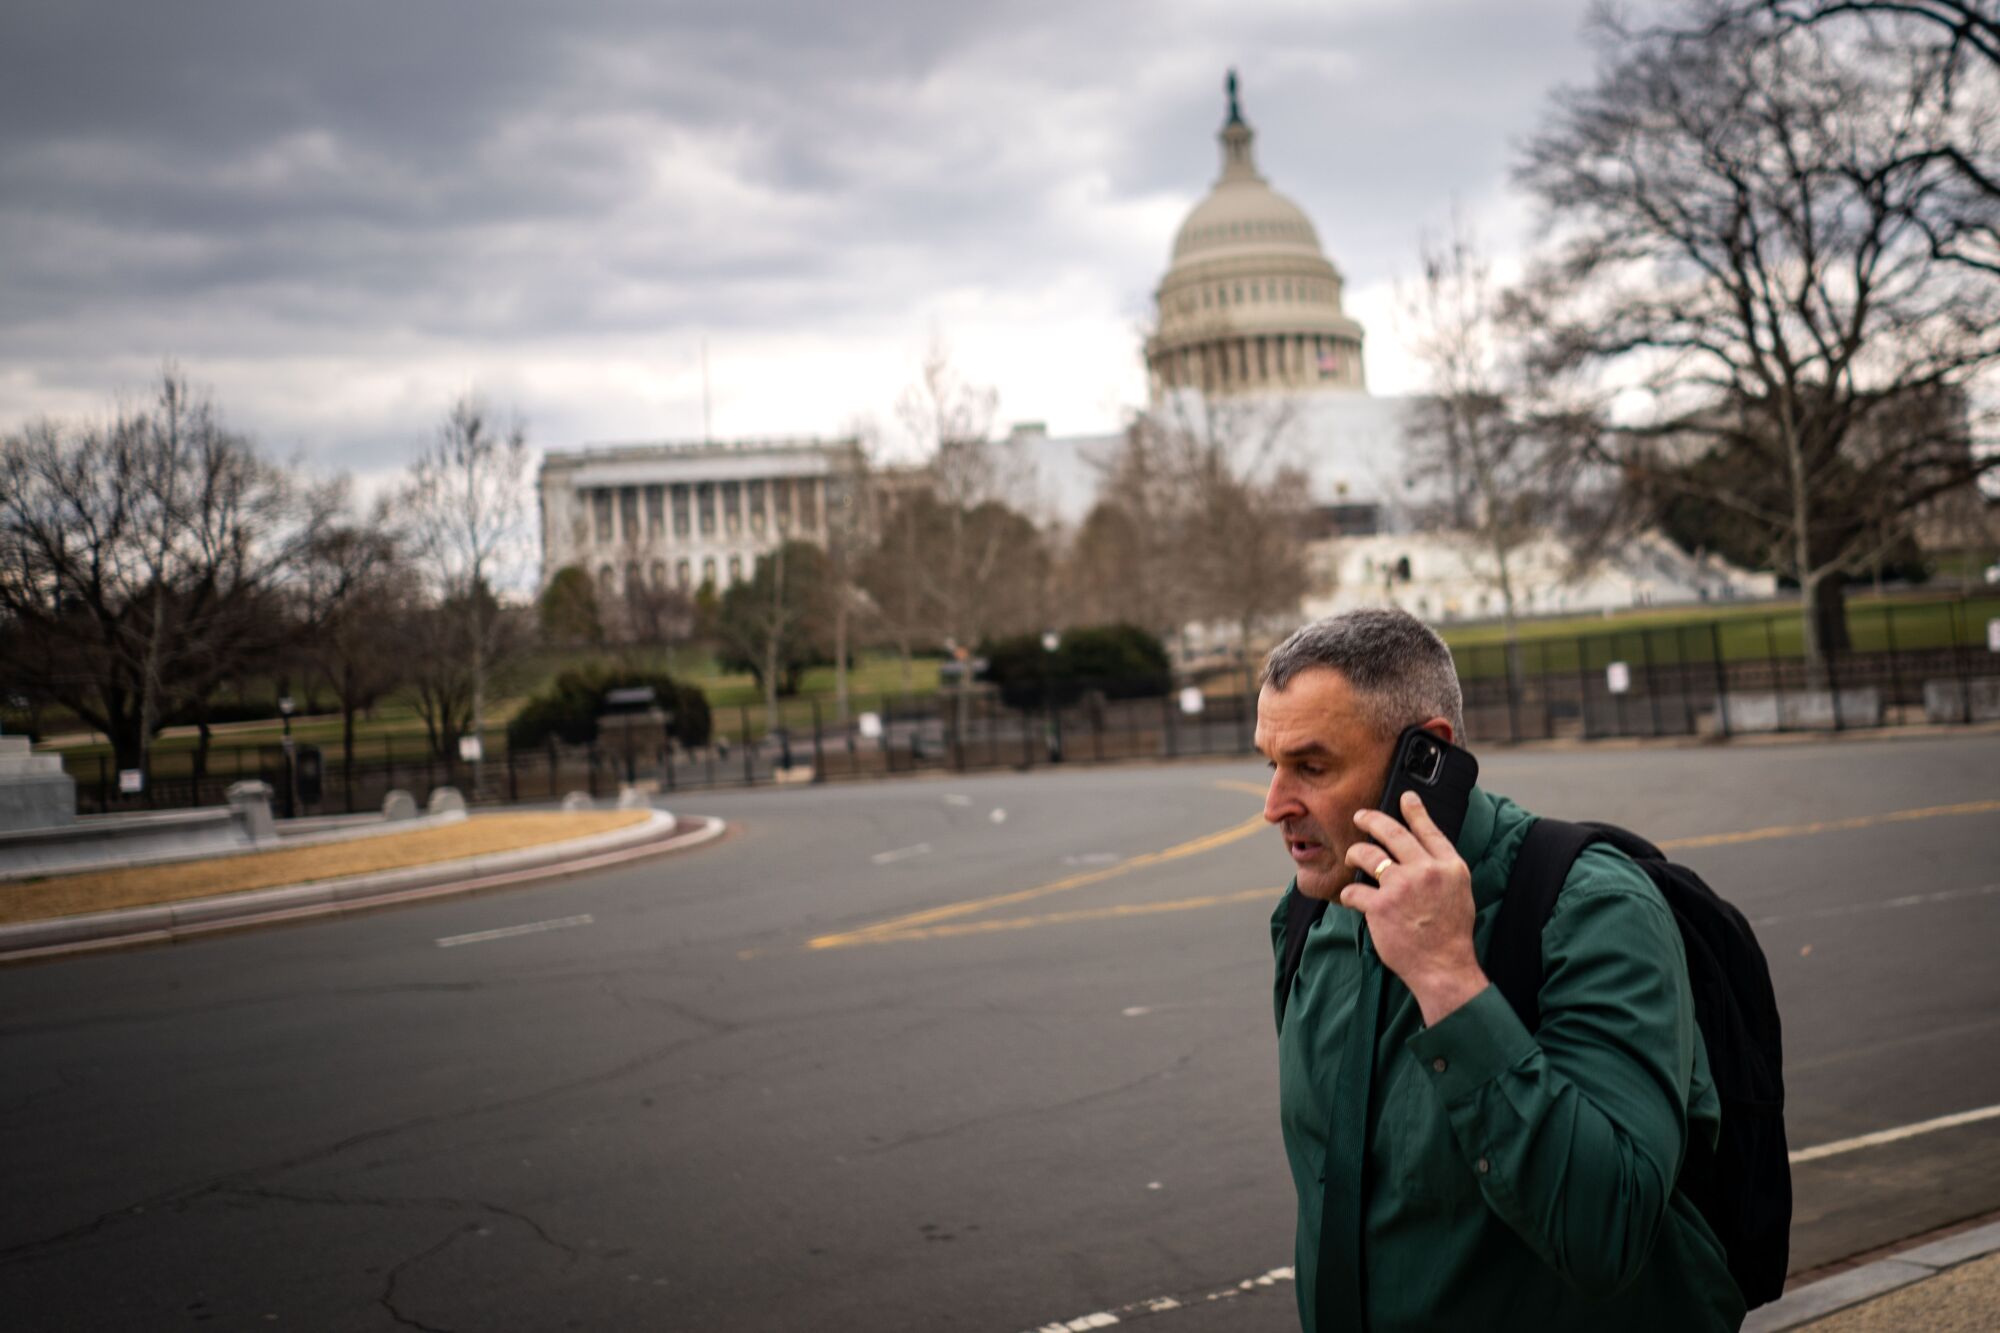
(1281, 802)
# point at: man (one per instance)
(1478, 1176)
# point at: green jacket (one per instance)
(1518, 1180)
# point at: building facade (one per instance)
(1250, 304)
(683, 515)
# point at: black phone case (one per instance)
(1445, 797)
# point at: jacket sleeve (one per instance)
(1575, 1133)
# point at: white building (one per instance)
(1443, 577)
(683, 515)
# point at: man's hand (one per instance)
(1421, 916)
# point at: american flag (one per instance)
(1327, 365)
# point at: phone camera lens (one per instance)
(1424, 761)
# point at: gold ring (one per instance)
(1380, 870)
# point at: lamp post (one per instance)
(1050, 642)
(291, 759)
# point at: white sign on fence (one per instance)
(1618, 677)
(1993, 636)
(131, 780)
(1191, 701)
(871, 726)
(470, 750)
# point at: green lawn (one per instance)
(395, 731)
(1695, 634)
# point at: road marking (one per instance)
(508, 932)
(1882, 1136)
(900, 853)
(1091, 859)
(900, 927)
(999, 816)
(1830, 825)
(1907, 900)
(956, 798)
(955, 929)
(1254, 788)
(1161, 1304)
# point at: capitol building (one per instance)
(1249, 331)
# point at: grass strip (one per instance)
(142, 886)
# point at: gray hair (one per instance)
(1398, 665)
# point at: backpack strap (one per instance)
(1514, 950)
(1301, 915)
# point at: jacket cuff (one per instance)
(1471, 1045)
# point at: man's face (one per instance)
(1326, 763)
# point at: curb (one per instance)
(170, 922)
(1845, 1290)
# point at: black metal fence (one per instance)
(1727, 677)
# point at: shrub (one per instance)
(568, 710)
(1120, 661)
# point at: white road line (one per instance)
(1158, 1305)
(1882, 1136)
(999, 816)
(1161, 1304)
(1908, 900)
(899, 853)
(508, 932)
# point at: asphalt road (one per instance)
(972, 1107)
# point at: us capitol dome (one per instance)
(1250, 303)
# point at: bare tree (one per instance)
(853, 526)
(1477, 437)
(1122, 564)
(465, 510)
(1229, 504)
(1760, 246)
(354, 584)
(141, 562)
(953, 561)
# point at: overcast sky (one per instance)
(339, 216)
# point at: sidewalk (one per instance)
(1945, 1286)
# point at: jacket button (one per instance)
(1483, 1165)
(1437, 1065)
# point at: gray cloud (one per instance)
(456, 183)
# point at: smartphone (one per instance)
(1439, 772)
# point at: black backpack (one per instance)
(1744, 1186)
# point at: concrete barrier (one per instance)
(252, 800)
(578, 800)
(399, 804)
(104, 841)
(34, 790)
(444, 800)
(1949, 700)
(1804, 710)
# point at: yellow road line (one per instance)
(902, 924)
(1082, 914)
(924, 925)
(1830, 825)
(1254, 788)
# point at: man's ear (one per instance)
(1440, 727)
